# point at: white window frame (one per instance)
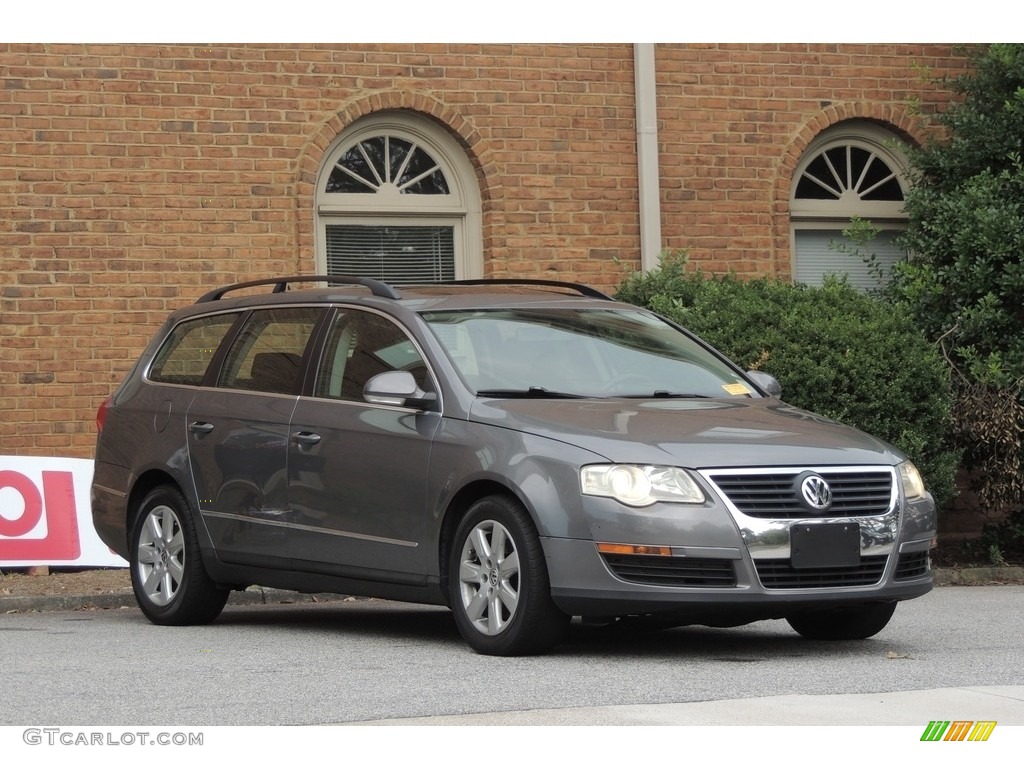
(460, 209)
(837, 214)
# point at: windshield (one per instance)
(581, 353)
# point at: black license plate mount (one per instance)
(824, 545)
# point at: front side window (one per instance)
(359, 346)
(581, 353)
(266, 356)
(188, 351)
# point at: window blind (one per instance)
(395, 254)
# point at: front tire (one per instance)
(856, 623)
(498, 582)
(168, 577)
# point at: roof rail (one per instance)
(583, 290)
(377, 288)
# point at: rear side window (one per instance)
(267, 354)
(187, 352)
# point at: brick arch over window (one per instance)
(902, 125)
(323, 141)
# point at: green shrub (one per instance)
(966, 222)
(835, 350)
(1003, 542)
(966, 278)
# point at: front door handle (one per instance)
(306, 438)
(200, 427)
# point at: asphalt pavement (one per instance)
(262, 596)
(1004, 704)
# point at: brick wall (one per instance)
(734, 122)
(133, 177)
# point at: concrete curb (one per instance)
(914, 709)
(251, 596)
(944, 577)
(973, 577)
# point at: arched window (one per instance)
(853, 170)
(397, 200)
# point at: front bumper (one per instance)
(727, 567)
(583, 583)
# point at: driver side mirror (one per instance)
(398, 388)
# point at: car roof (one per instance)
(454, 295)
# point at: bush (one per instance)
(1003, 543)
(836, 351)
(966, 278)
(966, 223)
(988, 422)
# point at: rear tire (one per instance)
(498, 583)
(170, 582)
(855, 623)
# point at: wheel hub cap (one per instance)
(489, 577)
(160, 559)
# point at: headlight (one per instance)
(913, 485)
(640, 486)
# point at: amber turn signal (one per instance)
(633, 549)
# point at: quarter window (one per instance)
(188, 351)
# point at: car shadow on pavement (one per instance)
(434, 626)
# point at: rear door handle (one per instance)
(306, 438)
(200, 427)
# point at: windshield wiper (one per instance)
(538, 392)
(664, 394)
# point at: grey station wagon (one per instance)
(522, 453)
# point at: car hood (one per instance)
(697, 433)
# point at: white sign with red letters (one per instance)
(45, 515)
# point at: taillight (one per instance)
(101, 414)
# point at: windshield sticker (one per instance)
(736, 389)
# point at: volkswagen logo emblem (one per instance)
(816, 493)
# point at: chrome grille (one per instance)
(776, 494)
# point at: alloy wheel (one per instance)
(161, 555)
(489, 577)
